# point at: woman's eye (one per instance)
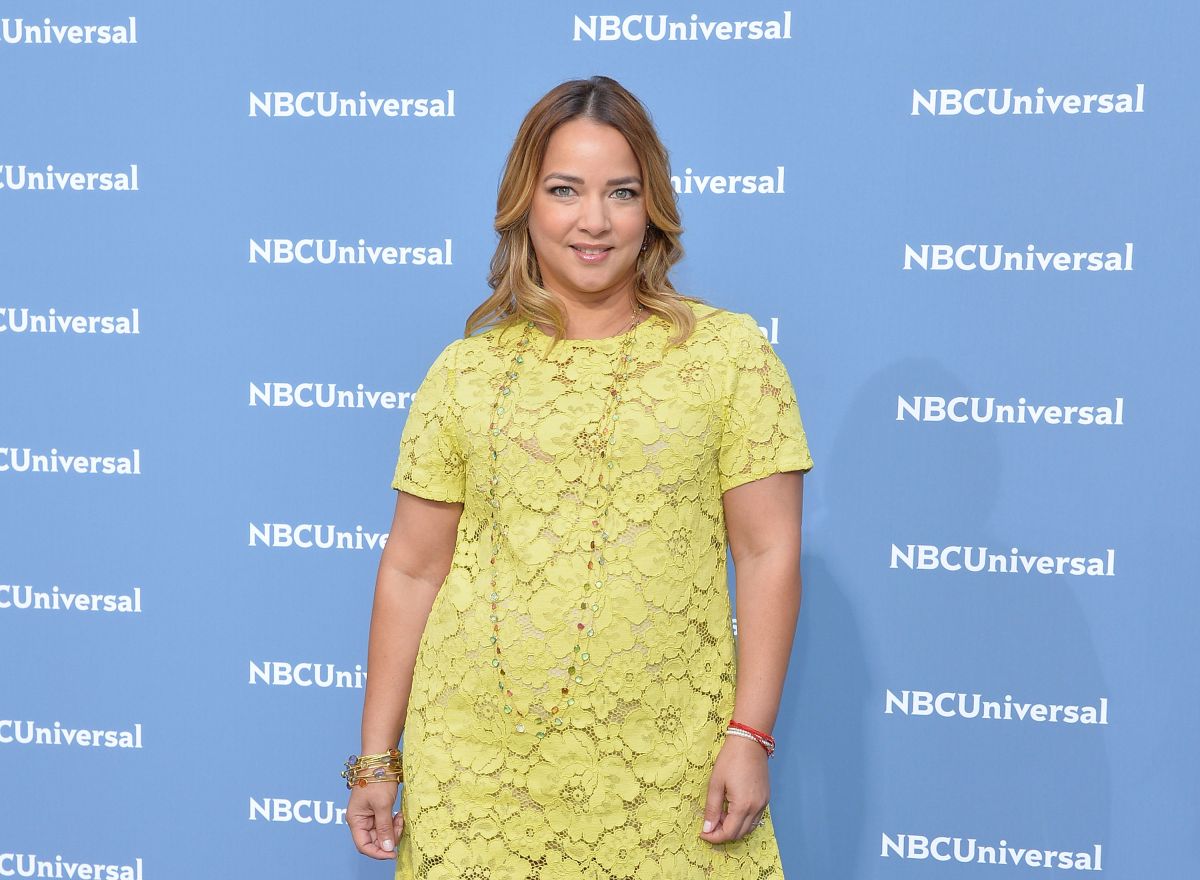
(564, 190)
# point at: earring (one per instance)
(646, 240)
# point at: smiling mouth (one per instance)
(590, 250)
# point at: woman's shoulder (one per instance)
(721, 323)
(490, 338)
(484, 348)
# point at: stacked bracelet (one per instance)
(384, 767)
(745, 730)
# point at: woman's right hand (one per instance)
(369, 814)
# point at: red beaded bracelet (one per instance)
(763, 739)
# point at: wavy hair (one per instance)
(516, 282)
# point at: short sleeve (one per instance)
(431, 463)
(762, 432)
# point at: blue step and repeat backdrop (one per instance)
(970, 230)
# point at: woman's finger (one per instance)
(713, 802)
(737, 823)
(383, 830)
(362, 829)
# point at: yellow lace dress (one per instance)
(611, 785)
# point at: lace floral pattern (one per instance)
(618, 791)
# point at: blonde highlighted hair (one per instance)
(517, 291)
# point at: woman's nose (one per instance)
(593, 215)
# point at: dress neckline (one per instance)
(599, 342)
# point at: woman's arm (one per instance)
(762, 518)
(414, 563)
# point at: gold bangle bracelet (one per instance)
(382, 767)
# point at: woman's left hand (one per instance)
(740, 777)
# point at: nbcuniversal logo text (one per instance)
(15, 31)
(996, 257)
(32, 865)
(949, 704)
(25, 460)
(24, 597)
(314, 536)
(930, 408)
(332, 104)
(325, 395)
(919, 847)
(328, 252)
(301, 812)
(26, 732)
(1003, 102)
(19, 319)
(690, 183)
(280, 673)
(659, 28)
(955, 557)
(20, 177)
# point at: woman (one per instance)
(551, 628)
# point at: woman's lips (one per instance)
(591, 258)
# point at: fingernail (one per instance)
(707, 825)
(388, 845)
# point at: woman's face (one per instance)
(588, 198)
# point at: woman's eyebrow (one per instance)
(570, 178)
